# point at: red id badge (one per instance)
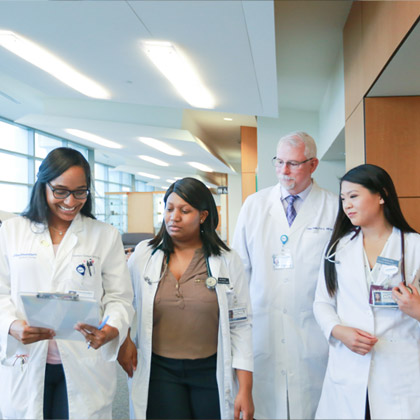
(380, 296)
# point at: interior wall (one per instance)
(328, 174)
(331, 112)
(393, 142)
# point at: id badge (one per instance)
(238, 314)
(381, 297)
(282, 260)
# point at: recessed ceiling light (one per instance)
(153, 160)
(180, 73)
(93, 138)
(51, 64)
(171, 181)
(228, 119)
(165, 187)
(146, 175)
(200, 166)
(161, 146)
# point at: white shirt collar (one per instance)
(302, 195)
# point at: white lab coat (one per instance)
(290, 353)
(4, 215)
(234, 347)
(28, 264)
(391, 370)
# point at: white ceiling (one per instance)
(231, 43)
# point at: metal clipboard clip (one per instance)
(59, 296)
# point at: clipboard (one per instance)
(60, 312)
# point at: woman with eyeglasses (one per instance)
(367, 304)
(193, 317)
(57, 246)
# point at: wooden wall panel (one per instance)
(249, 160)
(248, 184)
(410, 208)
(249, 150)
(393, 140)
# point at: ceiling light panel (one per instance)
(93, 138)
(180, 72)
(200, 166)
(153, 160)
(146, 175)
(51, 64)
(161, 146)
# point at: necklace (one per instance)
(60, 232)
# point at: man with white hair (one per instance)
(280, 235)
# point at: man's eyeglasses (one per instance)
(62, 193)
(292, 164)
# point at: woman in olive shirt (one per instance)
(193, 317)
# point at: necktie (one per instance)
(291, 211)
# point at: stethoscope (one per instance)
(210, 281)
(329, 256)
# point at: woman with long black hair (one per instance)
(371, 264)
(58, 247)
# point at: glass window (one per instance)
(114, 187)
(44, 145)
(126, 189)
(140, 186)
(114, 176)
(100, 171)
(126, 178)
(13, 138)
(13, 168)
(15, 198)
(37, 165)
(100, 189)
(99, 206)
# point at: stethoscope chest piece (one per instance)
(211, 283)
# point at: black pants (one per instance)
(183, 389)
(55, 393)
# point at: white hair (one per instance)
(296, 138)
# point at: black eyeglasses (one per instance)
(62, 193)
(293, 164)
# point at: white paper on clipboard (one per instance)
(60, 315)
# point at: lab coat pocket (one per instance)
(86, 273)
(14, 386)
(397, 363)
(343, 365)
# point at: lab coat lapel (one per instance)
(276, 209)
(155, 267)
(355, 259)
(214, 263)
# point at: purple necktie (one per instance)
(291, 211)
